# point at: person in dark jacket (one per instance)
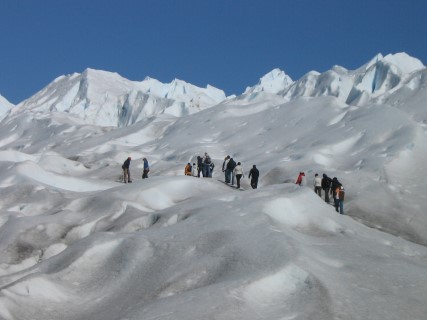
(326, 186)
(335, 186)
(207, 161)
(230, 169)
(224, 169)
(253, 175)
(340, 197)
(146, 168)
(126, 172)
(199, 166)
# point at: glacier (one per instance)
(76, 243)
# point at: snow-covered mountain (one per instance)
(273, 82)
(75, 243)
(376, 81)
(5, 106)
(107, 99)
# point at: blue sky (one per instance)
(229, 44)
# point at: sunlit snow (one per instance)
(77, 243)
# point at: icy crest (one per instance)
(372, 82)
(107, 99)
(272, 82)
(375, 80)
(5, 106)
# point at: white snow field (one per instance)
(76, 243)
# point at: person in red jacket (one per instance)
(300, 179)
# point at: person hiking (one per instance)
(199, 166)
(317, 185)
(126, 172)
(194, 170)
(207, 166)
(224, 169)
(146, 168)
(336, 185)
(301, 179)
(238, 171)
(188, 169)
(326, 186)
(340, 197)
(230, 169)
(253, 175)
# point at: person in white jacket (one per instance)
(238, 171)
(317, 184)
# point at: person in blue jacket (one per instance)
(146, 168)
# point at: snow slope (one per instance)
(76, 243)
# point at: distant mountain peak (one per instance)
(106, 98)
(379, 77)
(272, 82)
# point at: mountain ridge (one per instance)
(106, 98)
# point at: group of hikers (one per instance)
(329, 186)
(126, 171)
(234, 171)
(204, 166)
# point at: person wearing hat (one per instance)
(126, 172)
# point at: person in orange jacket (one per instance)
(187, 170)
(339, 200)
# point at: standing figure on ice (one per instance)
(146, 168)
(224, 169)
(317, 185)
(230, 170)
(253, 175)
(126, 172)
(200, 166)
(207, 166)
(301, 179)
(334, 187)
(326, 186)
(194, 170)
(238, 171)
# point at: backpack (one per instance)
(231, 164)
(208, 160)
